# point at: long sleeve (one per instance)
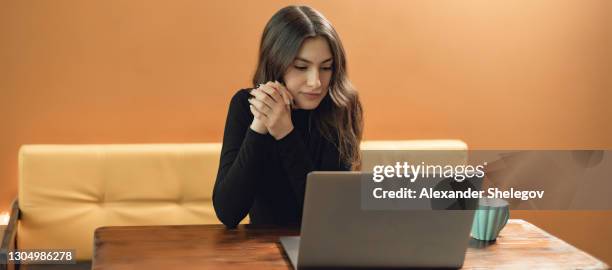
(242, 157)
(263, 177)
(297, 162)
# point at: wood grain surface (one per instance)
(520, 245)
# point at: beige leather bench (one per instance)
(67, 191)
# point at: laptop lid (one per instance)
(337, 232)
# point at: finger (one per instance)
(260, 95)
(286, 91)
(255, 89)
(271, 90)
(257, 114)
(286, 96)
(260, 106)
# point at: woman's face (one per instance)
(307, 78)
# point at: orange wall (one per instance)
(496, 74)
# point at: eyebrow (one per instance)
(302, 59)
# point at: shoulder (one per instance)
(240, 101)
(241, 97)
(239, 107)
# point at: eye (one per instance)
(301, 68)
(326, 68)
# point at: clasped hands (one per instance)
(270, 105)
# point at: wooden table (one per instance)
(520, 245)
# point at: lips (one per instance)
(312, 95)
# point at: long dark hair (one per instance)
(339, 116)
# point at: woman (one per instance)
(303, 115)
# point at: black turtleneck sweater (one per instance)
(263, 177)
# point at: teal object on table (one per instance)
(490, 218)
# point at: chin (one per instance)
(309, 105)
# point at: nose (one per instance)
(313, 80)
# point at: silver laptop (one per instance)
(336, 232)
